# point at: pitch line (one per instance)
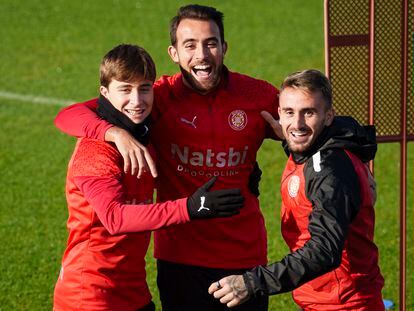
(36, 99)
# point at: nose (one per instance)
(134, 97)
(201, 52)
(298, 121)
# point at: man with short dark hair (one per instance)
(328, 197)
(206, 122)
(110, 212)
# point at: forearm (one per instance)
(320, 254)
(124, 218)
(81, 120)
(106, 196)
(291, 272)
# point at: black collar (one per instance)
(109, 113)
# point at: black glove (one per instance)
(218, 203)
(254, 179)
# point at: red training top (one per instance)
(103, 267)
(197, 137)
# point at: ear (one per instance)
(330, 114)
(225, 46)
(104, 91)
(172, 51)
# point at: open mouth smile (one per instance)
(299, 136)
(135, 112)
(298, 133)
(201, 71)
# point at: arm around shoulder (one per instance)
(81, 120)
(99, 178)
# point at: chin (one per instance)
(137, 121)
(298, 149)
(200, 86)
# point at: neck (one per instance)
(197, 90)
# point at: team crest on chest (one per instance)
(293, 186)
(237, 120)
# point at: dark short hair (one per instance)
(195, 11)
(127, 63)
(310, 80)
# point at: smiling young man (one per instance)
(206, 122)
(327, 213)
(132, 99)
(198, 47)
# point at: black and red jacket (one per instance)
(328, 197)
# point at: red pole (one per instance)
(403, 166)
(326, 30)
(371, 67)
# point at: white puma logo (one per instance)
(192, 123)
(203, 199)
(146, 131)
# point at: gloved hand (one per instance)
(254, 179)
(217, 203)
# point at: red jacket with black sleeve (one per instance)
(328, 218)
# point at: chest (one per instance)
(296, 207)
(139, 191)
(221, 121)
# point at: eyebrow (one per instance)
(304, 109)
(194, 40)
(126, 85)
(123, 86)
(146, 84)
(212, 39)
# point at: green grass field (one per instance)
(52, 49)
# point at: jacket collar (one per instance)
(344, 133)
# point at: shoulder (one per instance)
(258, 91)
(166, 82)
(332, 168)
(95, 158)
(164, 95)
(250, 85)
(329, 161)
(162, 81)
(91, 103)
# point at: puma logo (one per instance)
(145, 131)
(203, 200)
(192, 123)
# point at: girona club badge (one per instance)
(237, 120)
(293, 186)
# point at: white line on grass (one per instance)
(35, 99)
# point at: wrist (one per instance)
(249, 284)
(112, 133)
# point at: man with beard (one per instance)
(206, 122)
(111, 214)
(328, 196)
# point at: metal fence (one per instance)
(369, 60)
